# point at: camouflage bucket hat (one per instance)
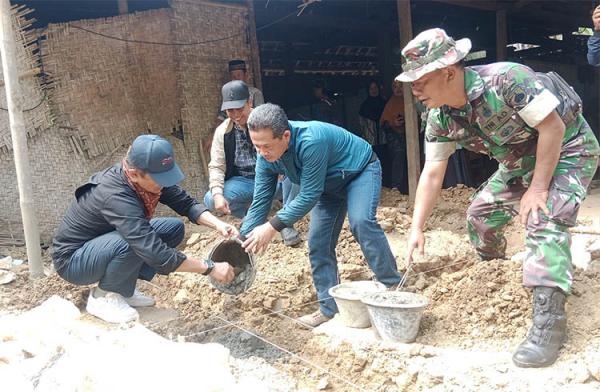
(430, 50)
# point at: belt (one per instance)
(373, 158)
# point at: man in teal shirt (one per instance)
(338, 173)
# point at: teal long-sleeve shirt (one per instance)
(322, 158)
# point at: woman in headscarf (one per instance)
(369, 114)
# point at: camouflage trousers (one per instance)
(548, 261)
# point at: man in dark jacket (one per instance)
(108, 236)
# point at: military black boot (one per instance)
(548, 332)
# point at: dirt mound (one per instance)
(474, 306)
(484, 300)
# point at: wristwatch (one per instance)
(210, 265)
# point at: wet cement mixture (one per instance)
(478, 313)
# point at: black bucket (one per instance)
(231, 251)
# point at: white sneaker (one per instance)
(313, 320)
(139, 300)
(111, 308)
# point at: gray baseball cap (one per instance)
(154, 155)
(235, 95)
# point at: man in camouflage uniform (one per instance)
(547, 156)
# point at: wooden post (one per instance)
(501, 35)
(410, 112)
(254, 48)
(8, 51)
(123, 7)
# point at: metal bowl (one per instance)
(231, 251)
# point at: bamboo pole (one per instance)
(410, 113)
(8, 50)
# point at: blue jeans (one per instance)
(360, 201)
(110, 261)
(239, 191)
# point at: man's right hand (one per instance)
(416, 240)
(222, 272)
(221, 204)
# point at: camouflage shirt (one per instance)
(506, 101)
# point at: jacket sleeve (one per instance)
(314, 157)
(126, 215)
(265, 185)
(217, 164)
(182, 203)
(593, 54)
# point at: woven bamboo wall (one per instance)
(202, 69)
(106, 92)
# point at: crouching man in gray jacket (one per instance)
(108, 236)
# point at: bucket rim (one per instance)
(369, 300)
(227, 288)
(333, 290)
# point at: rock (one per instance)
(514, 314)
(359, 364)
(6, 262)
(519, 257)
(405, 380)
(580, 374)
(323, 383)
(593, 366)
(507, 297)
(432, 376)
(269, 303)
(181, 297)
(421, 282)
(7, 276)
(428, 351)
(194, 238)
(489, 314)
(387, 226)
(594, 249)
(502, 368)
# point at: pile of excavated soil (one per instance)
(474, 306)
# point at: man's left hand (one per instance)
(532, 201)
(226, 230)
(258, 240)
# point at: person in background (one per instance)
(370, 113)
(593, 54)
(392, 122)
(239, 71)
(108, 235)
(324, 106)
